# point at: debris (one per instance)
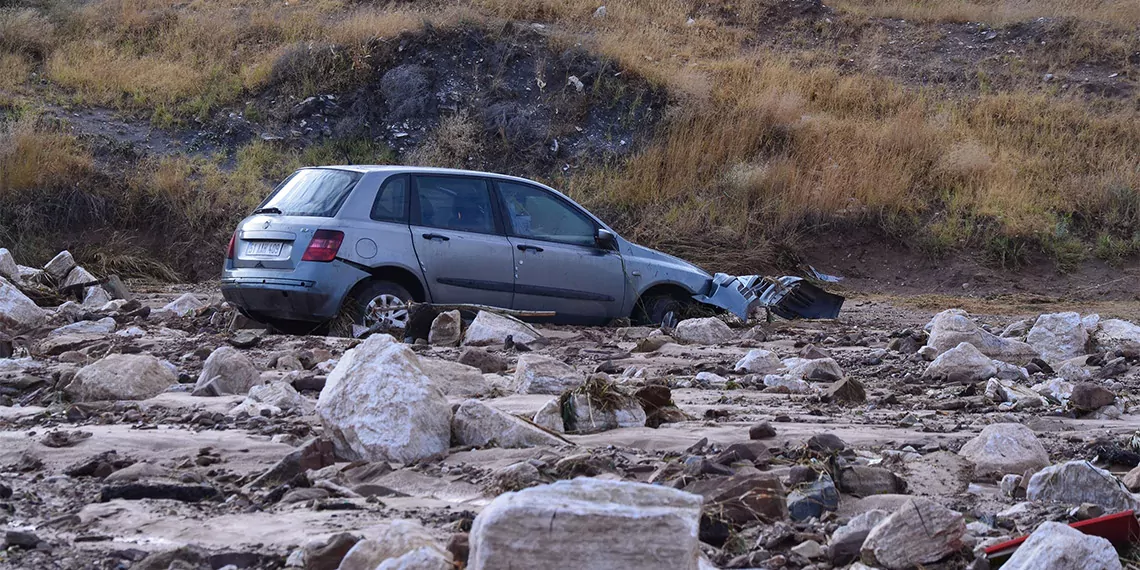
(787, 297)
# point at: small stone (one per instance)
(809, 549)
(245, 339)
(811, 500)
(848, 390)
(446, 329)
(487, 362)
(762, 430)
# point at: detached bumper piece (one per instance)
(788, 297)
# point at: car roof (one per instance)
(424, 170)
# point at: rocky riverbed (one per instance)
(156, 432)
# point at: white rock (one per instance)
(1020, 396)
(379, 405)
(538, 374)
(490, 328)
(17, 311)
(1006, 371)
(121, 377)
(8, 268)
(708, 330)
(1074, 370)
(113, 305)
(814, 369)
(1077, 482)
(446, 329)
(919, 532)
(1017, 329)
(928, 353)
(1002, 449)
(588, 417)
(793, 384)
(1115, 334)
(276, 397)
(60, 265)
(961, 364)
(1059, 337)
(76, 277)
(1009, 484)
(1056, 546)
(105, 325)
(953, 327)
(588, 523)
(759, 361)
(478, 424)
(714, 380)
(229, 371)
(1055, 388)
(184, 305)
(389, 547)
(550, 416)
(455, 379)
(131, 332)
(95, 297)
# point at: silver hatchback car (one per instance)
(368, 239)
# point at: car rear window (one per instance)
(313, 192)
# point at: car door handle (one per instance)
(524, 247)
(437, 236)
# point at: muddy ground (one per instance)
(57, 459)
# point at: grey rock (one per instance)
(920, 532)
(230, 372)
(1077, 482)
(60, 265)
(962, 364)
(1004, 448)
(538, 374)
(493, 329)
(487, 362)
(708, 330)
(951, 328)
(1059, 337)
(446, 329)
(1056, 546)
(478, 424)
(121, 377)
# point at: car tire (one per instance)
(365, 306)
(654, 309)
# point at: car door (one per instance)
(558, 263)
(458, 237)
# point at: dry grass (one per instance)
(756, 149)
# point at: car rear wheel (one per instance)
(382, 303)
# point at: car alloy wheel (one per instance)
(388, 311)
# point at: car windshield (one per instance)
(311, 192)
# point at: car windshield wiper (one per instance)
(270, 210)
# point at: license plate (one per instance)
(263, 248)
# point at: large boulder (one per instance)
(60, 265)
(962, 364)
(17, 311)
(1087, 397)
(490, 328)
(709, 330)
(592, 411)
(1115, 334)
(920, 532)
(1056, 546)
(1077, 482)
(588, 523)
(478, 424)
(446, 329)
(1059, 337)
(538, 374)
(1002, 449)
(759, 361)
(814, 369)
(396, 545)
(455, 379)
(8, 268)
(378, 404)
(952, 327)
(121, 377)
(227, 371)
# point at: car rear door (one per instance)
(558, 264)
(459, 241)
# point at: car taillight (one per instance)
(324, 246)
(230, 250)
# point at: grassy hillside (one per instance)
(1005, 130)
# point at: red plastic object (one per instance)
(1118, 528)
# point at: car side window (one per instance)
(391, 203)
(455, 203)
(535, 213)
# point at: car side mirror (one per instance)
(605, 238)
